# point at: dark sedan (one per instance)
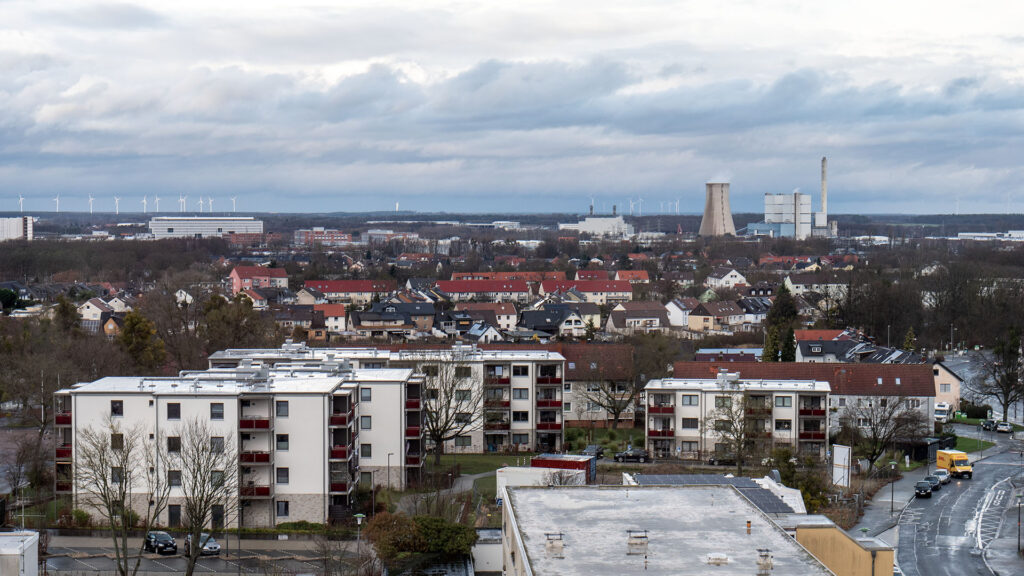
(161, 543)
(634, 455)
(923, 489)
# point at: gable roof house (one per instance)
(359, 292)
(725, 277)
(334, 317)
(633, 276)
(243, 277)
(554, 320)
(308, 295)
(755, 310)
(595, 291)
(637, 318)
(505, 315)
(591, 274)
(93, 309)
(420, 314)
(715, 317)
(678, 311)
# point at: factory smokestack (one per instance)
(717, 219)
(824, 186)
(615, 209)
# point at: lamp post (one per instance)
(359, 524)
(1019, 498)
(390, 454)
(892, 488)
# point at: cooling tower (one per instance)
(717, 219)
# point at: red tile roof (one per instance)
(805, 335)
(633, 275)
(259, 272)
(330, 310)
(591, 275)
(587, 286)
(341, 286)
(481, 286)
(845, 379)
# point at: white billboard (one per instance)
(841, 459)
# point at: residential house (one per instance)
(829, 285)
(594, 291)
(640, 317)
(728, 355)
(725, 278)
(308, 295)
(755, 310)
(297, 316)
(761, 289)
(334, 317)
(357, 292)
(93, 309)
(678, 311)
(485, 290)
(595, 376)
(378, 323)
(482, 333)
(947, 385)
(591, 274)
(681, 278)
(633, 276)
(259, 301)
(420, 314)
(505, 315)
(715, 317)
(245, 277)
(554, 319)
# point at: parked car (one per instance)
(923, 489)
(988, 425)
(594, 450)
(943, 476)
(210, 546)
(935, 482)
(160, 542)
(722, 459)
(633, 455)
(1004, 427)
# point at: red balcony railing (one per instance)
(496, 403)
(661, 433)
(809, 435)
(812, 411)
(63, 451)
(757, 410)
(412, 431)
(496, 426)
(62, 419)
(549, 403)
(549, 380)
(497, 380)
(549, 425)
(253, 491)
(340, 452)
(413, 460)
(254, 457)
(412, 404)
(254, 423)
(661, 409)
(339, 487)
(341, 419)
(63, 486)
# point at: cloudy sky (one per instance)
(519, 106)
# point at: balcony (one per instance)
(341, 419)
(62, 419)
(549, 403)
(413, 431)
(339, 452)
(254, 457)
(670, 409)
(758, 410)
(497, 381)
(549, 425)
(496, 404)
(339, 487)
(817, 412)
(63, 486)
(63, 452)
(413, 460)
(255, 491)
(412, 404)
(254, 424)
(811, 435)
(496, 426)
(549, 379)
(664, 433)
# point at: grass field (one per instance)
(612, 440)
(478, 463)
(972, 444)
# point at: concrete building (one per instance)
(320, 236)
(624, 530)
(684, 415)
(19, 228)
(19, 553)
(606, 227)
(247, 277)
(792, 216)
(305, 437)
(162, 227)
(717, 220)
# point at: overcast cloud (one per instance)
(530, 106)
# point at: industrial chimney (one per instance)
(615, 209)
(824, 186)
(717, 219)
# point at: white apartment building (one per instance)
(203, 226)
(18, 228)
(682, 413)
(305, 437)
(522, 390)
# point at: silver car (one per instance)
(210, 546)
(943, 476)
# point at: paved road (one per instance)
(945, 535)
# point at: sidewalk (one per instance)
(247, 544)
(1001, 554)
(407, 504)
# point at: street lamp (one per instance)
(1019, 498)
(892, 488)
(359, 524)
(390, 454)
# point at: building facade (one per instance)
(163, 227)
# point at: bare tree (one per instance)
(454, 405)
(883, 420)
(1000, 374)
(209, 481)
(613, 396)
(118, 474)
(178, 321)
(735, 422)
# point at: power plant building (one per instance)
(19, 228)
(614, 226)
(203, 226)
(791, 215)
(717, 219)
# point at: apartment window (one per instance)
(783, 401)
(463, 418)
(463, 371)
(117, 407)
(174, 515)
(217, 516)
(723, 426)
(783, 424)
(567, 387)
(216, 411)
(462, 395)
(520, 393)
(217, 444)
(282, 441)
(174, 411)
(430, 393)
(520, 416)
(174, 477)
(566, 406)
(429, 370)
(690, 423)
(116, 474)
(944, 387)
(282, 508)
(523, 370)
(865, 422)
(593, 406)
(366, 478)
(365, 422)
(282, 475)
(463, 441)
(117, 441)
(365, 394)
(689, 400)
(365, 451)
(174, 444)
(723, 402)
(885, 402)
(520, 438)
(688, 446)
(842, 401)
(282, 409)
(217, 478)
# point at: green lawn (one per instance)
(612, 440)
(972, 444)
(487, 487)
(478, 463)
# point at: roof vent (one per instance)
(717, 559)
(765, 563)
(636, 542)
(555, 545)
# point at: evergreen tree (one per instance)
(138, 337)
(788, 351)
(910, 340)
(771, 345)
(783, 311)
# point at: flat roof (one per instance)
(685, 526)
(298, 352)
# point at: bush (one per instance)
(393, 535)
(612, 435)
(300, 525)
(448, 539)
(80, 517)
(975, 410)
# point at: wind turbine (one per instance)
(156, 202)
(209, 204)
(57, 201)
(200, 204)
(21, 203)
(181, 203)
(233, 199)
(144, 211)
(90, 203)
(117, 205)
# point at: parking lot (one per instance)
(83, 560)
